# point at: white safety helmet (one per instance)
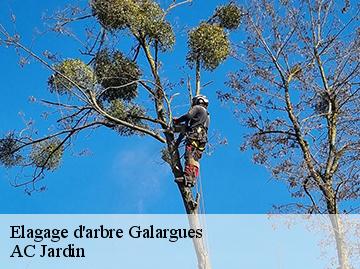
(200, 100)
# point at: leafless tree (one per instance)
(297, 90)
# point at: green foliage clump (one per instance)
(9, 155)
(151, 21)
(47, 154)
(208, 44)
(141, 17)
(163, 34)
(128, 112)
(117, 75)
(113, 14)
(228, 16)
(117, 109)
(73, 73)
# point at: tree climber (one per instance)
(195, 127)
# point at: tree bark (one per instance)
(192, 212)
(338, 231)
(341, 247)
(176, 167)
(199, 244)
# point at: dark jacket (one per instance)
(196, 117)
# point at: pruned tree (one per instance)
(297, 91)
(106, 88)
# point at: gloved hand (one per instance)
(176, 121)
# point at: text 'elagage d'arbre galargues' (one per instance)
(48, 242)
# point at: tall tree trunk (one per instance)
(340, 241)
(338, 230)
(199, 244)
(188, 199)
(176, 167)
(194, 223)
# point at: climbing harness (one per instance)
(192, 128)
(194, 147)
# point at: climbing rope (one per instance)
(199, 189)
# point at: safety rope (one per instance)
(199, 189)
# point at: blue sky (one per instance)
(122, 174)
